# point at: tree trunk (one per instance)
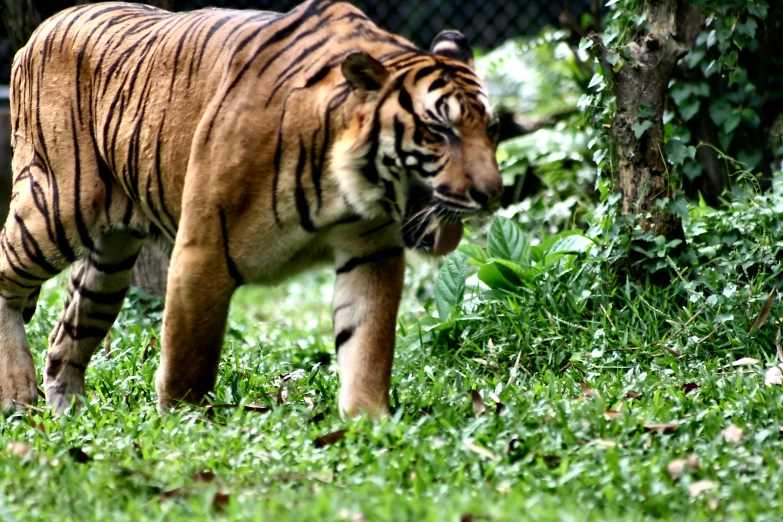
(21, 18)
(643, 80)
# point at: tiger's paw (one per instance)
(62, 382)
(355, 406)
(18, 384)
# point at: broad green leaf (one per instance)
(506, 241)
(640, 127)
(475, 252)
(690, 108)
(450, 284)
(491, 276)
(576, 243)
(748, 28)
(732, 122)
(720, 110)
(678, 151)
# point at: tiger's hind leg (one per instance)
(27, 259)
(97, 290)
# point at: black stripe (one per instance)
(232, 268)
(381, 255)
(343, 337)
(113, 268)
(108, 298)
(102, 316)
(301, 198)
(78, 332)
(53, 366)
(317, 77)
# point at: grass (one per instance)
(555, 451)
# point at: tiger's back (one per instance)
(129, 85)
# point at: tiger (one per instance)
(249, 145)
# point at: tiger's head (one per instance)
(423, 141)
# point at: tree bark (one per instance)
(641, 166)
(21, 18)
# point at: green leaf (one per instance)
(475, 252)
(758, 9)
(732, 122)
(640, 127)
(575, 243)
(748, 28)
(720, 110)
(450, 284)
(491, 275)
(645, 112)
(678, 151)
(507, 242)
(689, 109)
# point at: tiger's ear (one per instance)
(363, 72)
(454, 45)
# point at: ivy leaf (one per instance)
(507, 242)
(689, 108)
(759, 10)
(720, 110)
(678, 151)
(450, 284)
(640, 127)
(748, 28)
(645, 112)
(732, 122)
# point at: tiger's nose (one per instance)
(487, 191)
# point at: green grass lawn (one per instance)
(553, 450)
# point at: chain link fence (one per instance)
(487, 23)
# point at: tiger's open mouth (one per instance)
(429, 226)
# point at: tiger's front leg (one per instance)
(197, 301)
(366, 299)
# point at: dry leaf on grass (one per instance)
(689, 387)
(606, 443)
(330, 438)
(676, 466)
(20, 449)
(484, 452)
(587, 392)
(699, 487)
(745, 361)
(514, 370)
(778, 348)
(257, 408)
(633, 394)
(219, 500)
(612, 414)
(766, 308)
(661, 428)
(478, 403)
(733, 433)
(773, 376)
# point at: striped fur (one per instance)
(255, 145)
